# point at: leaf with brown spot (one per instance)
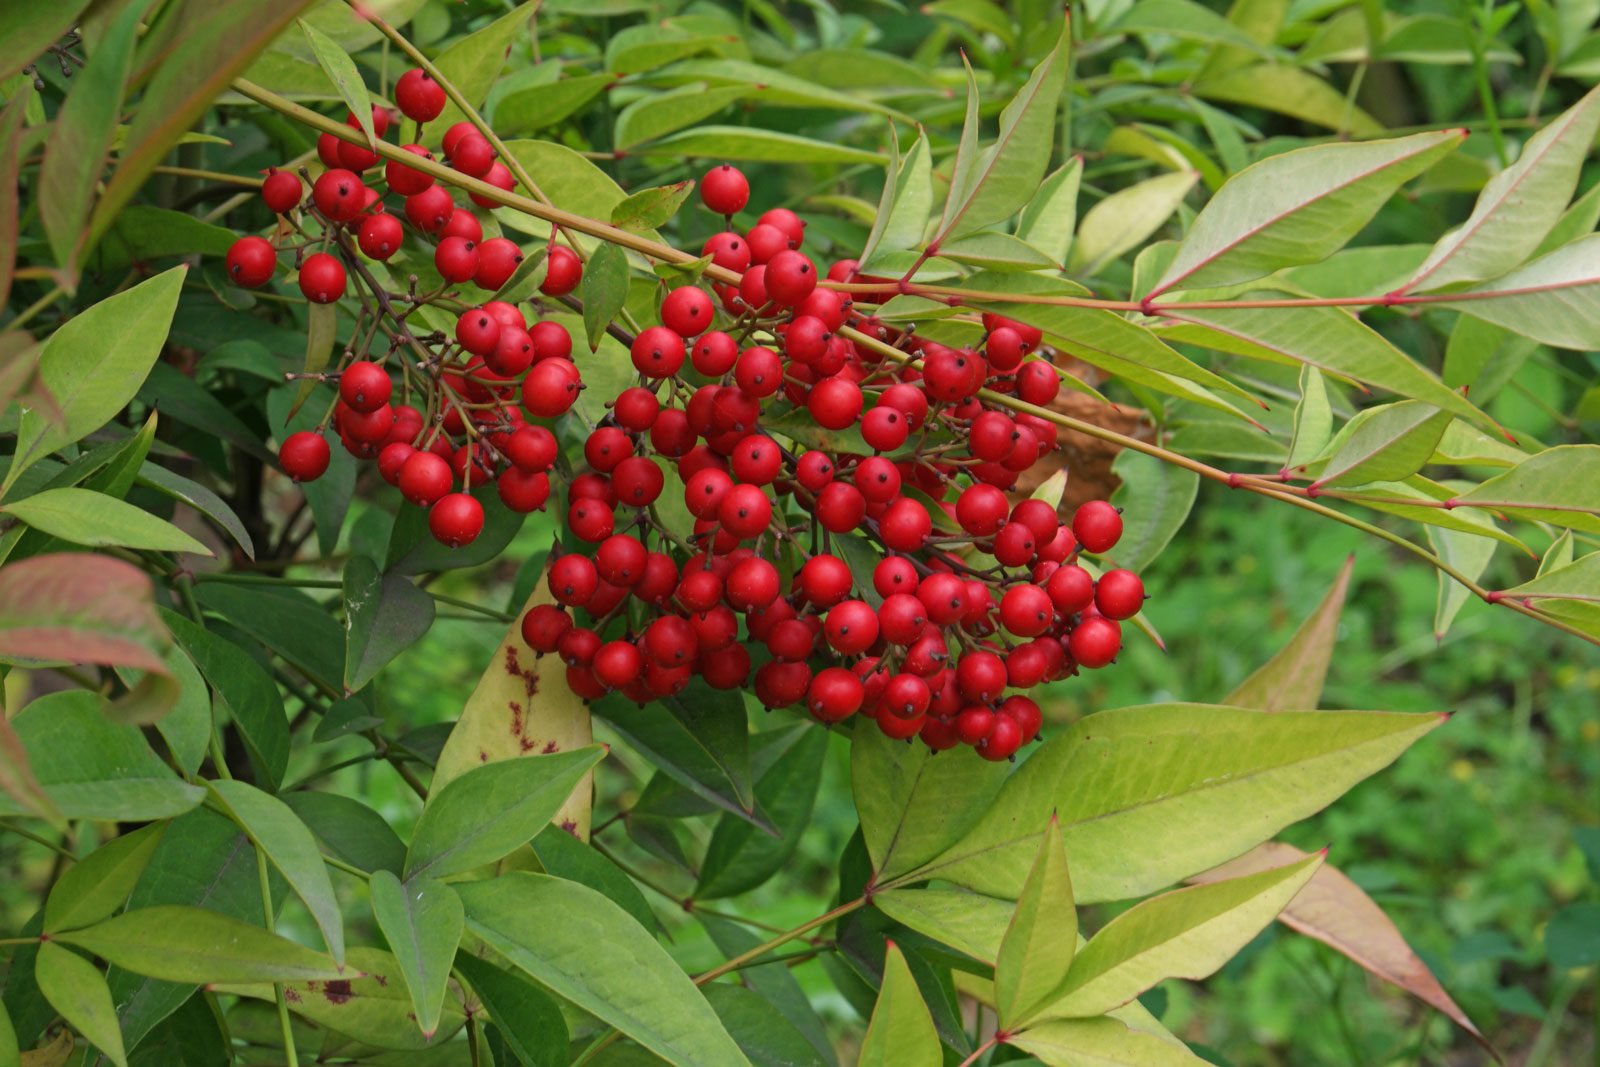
(1334, 910)
(521, 706)
(1292, 679)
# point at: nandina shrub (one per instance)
(802, 481)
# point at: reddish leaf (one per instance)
(10, 130)
(1334, 910)
(78, 608)
(214, 42)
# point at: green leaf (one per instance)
(564, 856)
(1297, 207)
(1156, 498)
(28, 29)
(350, 830)
(18, 364)
(1188, 933)
(1468, 554)
(582, 947)
(322, 327)
(99, 884)
(741, 857)
(1573, 937)
(341, 71)
(996, 251)
(474, 62)
(1384, 444)
(1330, 339)
(277, 831)
(907, 201)
(193, 65)
(776, 984)
(756, 145)
(1288, 90)
(1556, 486)
(180, 397)
(1042, 937)
(80, 139)
(541, 106)
(9, 1054)
(76, 988)
(384, 614)
(1482, 357)
(246, 690)
(968, 922)
(492, 810)
(659, 114)
(568, 179)
(1551, 300)
(1007, 175)
(702, 742)
(1126, 219)
(1571, 592)
(1156, 773)
(777, 89)
(1313, 419)
(636, 49)
(1294, 676)
(895, 783)
(1048, 221)
(92, 768)
(604, 290)
(1518, 206)
(528, 1018)
(901, 1032)
(422, 920)
(204, 860)
(287, 622)
(184, 944)
(1185, 19)
(93, 365)
(88, 518)
(1103, 1043)
(650, 208)
(760, 1029)
(370, 1004)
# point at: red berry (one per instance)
(522, 491)
(1071, 589)
(477, 330)
(322, 278)
(471, 154)
(1119, 594)
(851, 627)
(1013, 545)
(894, 574)
(364, 386)
(380, 236)
(840, 507)
(687, 311)
(835, 403)
(905, 526)
(404, 179)
(981, 509)
(725, 190)
(499, 176)
(1097, 526)
(282, 191)
(814, 470)
(617, 664)
(544, 626)
(251, 261)
(430, 209)
(418, 96)
(573, 581)
(456, 519)
(1039, 517)
(425, 478)
(551, 388)
(1095, 641)
(658, 352)
(498, 259)
(834, 695)
(620, 559)
(338, 194)
(759, 371)
(824, 580)
(460, 222)
(305, 456)
(790, 277)
(885, 428)
(728, 250)
(563, 272)
(786, 222)
(714, 354)
(753, 583)
(1026, 610)
(456, 259)
(745, 511)
(981, 677)
(591, 520)
(1005, 737)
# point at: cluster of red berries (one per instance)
(959, 598)
(468, 428)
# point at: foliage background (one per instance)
(1471, 842)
